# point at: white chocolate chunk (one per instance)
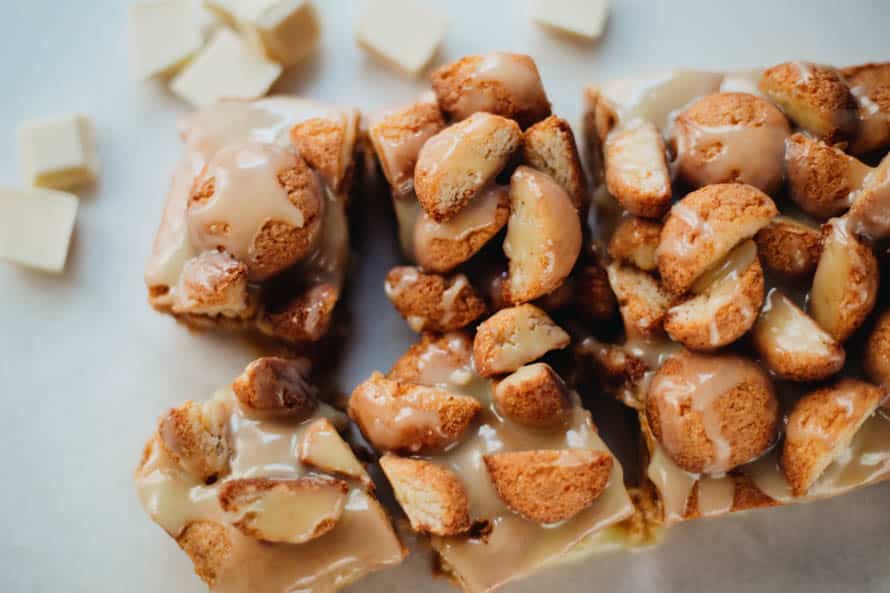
(585, 18)
(164, 34)
(286, 31)
(227, 68)
(404, 33)
(58, 152)
(35, 227)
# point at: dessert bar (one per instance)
(259, 489)
(254, 235)
(742, 218)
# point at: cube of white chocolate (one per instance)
(585, 18)
(164, 34)
(227, 68)
(404, 33)
(58, 152)
(286, 31)
(35, 227)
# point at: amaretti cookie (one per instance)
(260, 490)
(487, 188)
(745, 300)
(254, 235)
(480, 462)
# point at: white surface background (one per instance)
(86, 367)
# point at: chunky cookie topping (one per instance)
(743, 213)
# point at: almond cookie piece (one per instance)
(327, 143)
(264, 509)
(705, 226)
(642, 300)
(398, 135)
(213, 283)
(845, 285)
(430, 302)
(501, 83)
(593, 293)
(324, 449)
(821, 178)
(723, 304)
(453, 356)
(727, 137)
(258, 202)
(821, 426)
(274, 519)
(514, 337)
(549, 486)
(789, 248)
(533, 395)
(550, 146)
(543, 235)
(634, 242)
(870, 85)
(277, 387)
(431, 495)
(712, 413)
(814, 97)
(869, 215)
(305, 318)
(396, 416)
(877, 351)
(442, 246)
(454, 165)
(197, 438)
(636, 168)
(792, 344)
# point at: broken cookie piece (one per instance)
(431, 495)
(397, 416)
(636, 170)
(324, 449)
(226, 68)
(533, 395)
(712, 413)
(846, 281)
(549, 486)
(235, 493)
(549, 146)
(821, 427)
(821, 177)
(284, 511)
(758, 280)
(514, 337)
(455, 164)
(792, 344)
(727, 137)
(430, 302)
(814, 96)
(36, 227)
